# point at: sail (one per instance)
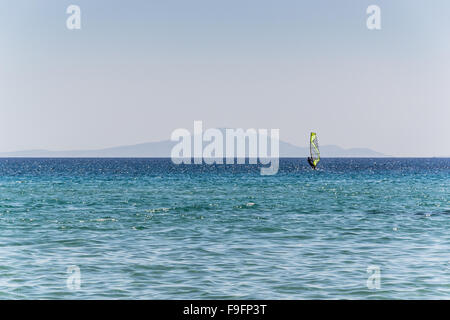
(314, 148)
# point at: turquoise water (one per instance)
(148, 229)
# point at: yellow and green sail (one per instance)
(314, 148)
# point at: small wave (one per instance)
(156, 210)
(245, 206)
(103, 220)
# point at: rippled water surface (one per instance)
(148, 229)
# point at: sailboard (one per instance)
(314, 150)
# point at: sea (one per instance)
(356, 228)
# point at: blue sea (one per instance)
(149, 229)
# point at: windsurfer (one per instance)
(311, 163)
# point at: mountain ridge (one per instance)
(162, 149)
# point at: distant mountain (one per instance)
(162, 149)
(288, 150)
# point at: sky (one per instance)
(138, 70)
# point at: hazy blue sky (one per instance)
(137, 70)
